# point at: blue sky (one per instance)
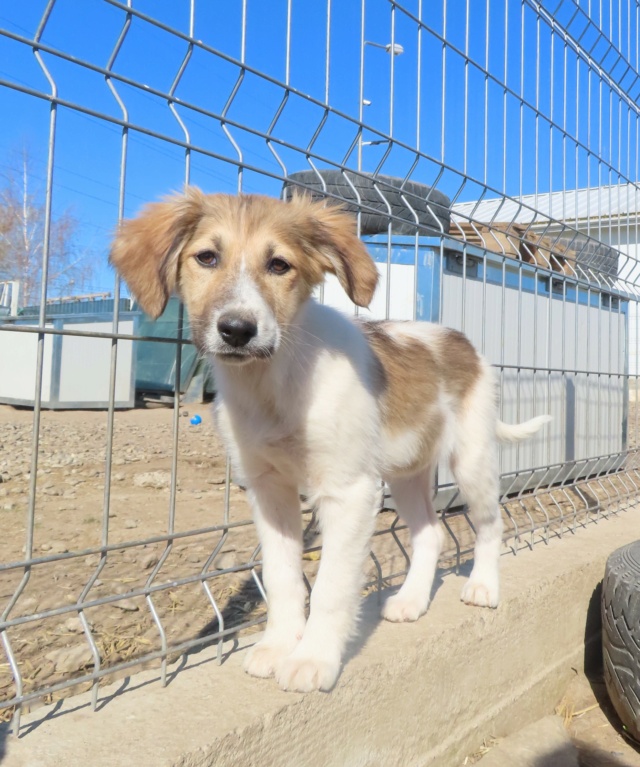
(487, 143)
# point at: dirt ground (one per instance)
(70, 517)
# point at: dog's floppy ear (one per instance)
(146, 248)
(332, 235)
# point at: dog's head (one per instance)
(243, 265)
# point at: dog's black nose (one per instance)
(236, 331)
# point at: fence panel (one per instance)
(490, 153)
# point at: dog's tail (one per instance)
(514, 432)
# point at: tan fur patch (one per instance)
(332, 233)
(408, 400)
(410, 374)
(459, 362)
(145, 250)
(413, 374)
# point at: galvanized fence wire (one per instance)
(524, 114)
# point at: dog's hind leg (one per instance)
(475, 467)
(347, 517)
(413, 497)
(276, 510)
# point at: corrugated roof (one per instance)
(569, 206)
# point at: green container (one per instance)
(156, 361)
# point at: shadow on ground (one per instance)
(587, 756)
(594, 757)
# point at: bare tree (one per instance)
(22, 236)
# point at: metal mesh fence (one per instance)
(490, 151)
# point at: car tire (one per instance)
(621, 634)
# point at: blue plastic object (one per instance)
(196, 420)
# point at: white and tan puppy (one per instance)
(309, 398)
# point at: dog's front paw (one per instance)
(304, 673)
(402, 609)
(265, 658)
(479, 593)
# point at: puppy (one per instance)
(308, 397)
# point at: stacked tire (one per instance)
(407, 206)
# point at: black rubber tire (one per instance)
(431, 206)
(621, 634)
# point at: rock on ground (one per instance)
(157, 479)
(68, 660)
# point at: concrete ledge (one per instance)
(413, 694)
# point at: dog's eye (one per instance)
(207, 258)
(278, 266)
